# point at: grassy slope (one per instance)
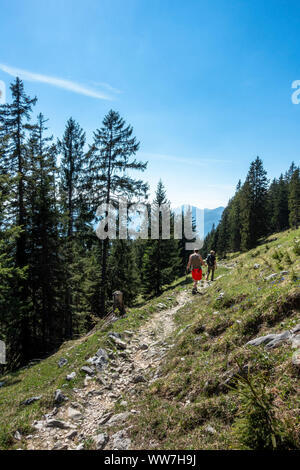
(190, 395)
(45, 377)
(176, 409)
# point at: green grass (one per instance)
(45, 377)
(209, 343)
(192, 394)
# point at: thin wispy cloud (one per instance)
(107, 86)
(57, 82)
(202, 162)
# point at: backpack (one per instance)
(211, 260)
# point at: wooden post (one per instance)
(118, 302)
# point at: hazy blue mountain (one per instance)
(211, 216)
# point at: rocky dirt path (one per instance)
(74, 423)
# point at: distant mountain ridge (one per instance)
(211, 216)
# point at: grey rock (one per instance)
(71, 376)
(161, 305)
(271, 276)
(59, 397)
(280, 338)
(296, 328)
(221, 296)
(38, 425)
(114, 335)
(138, 379)
(17, 436)
(100, 380)
(60, 446)
(101, 440)
(106, 417)
(100, 359)
(210, 429)
(71, 435)
(118, 419)
(270, 341)
(80, 447)
(256, 266)
(73, 413)
(144, 346)
(118, 342)
(56, 423)
(31, 400)
(295, 342)
(87, 370)
(62, 362)
(120, 441)
(128, 333)
(261, 340)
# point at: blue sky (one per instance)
(205, 84)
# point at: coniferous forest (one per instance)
(258, 208)
(56, 277)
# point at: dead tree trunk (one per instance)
(118, 302)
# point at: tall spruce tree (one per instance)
(71, 148)
(110, 165)
(73, 202)
(279, 210)
(122, 270)
(294, 199)
(162, 257)
(14, 123)
(234, 220)
(254, 207)
(223, 244)
(43, 242)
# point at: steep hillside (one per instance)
(176, 372)
(214, 390)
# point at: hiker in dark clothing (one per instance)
(195, 262)
(211, 265)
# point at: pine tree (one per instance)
(254, 205)
(290, 172)
(71, 148)
(10, 275)
(72, 205)
(294, 199)
(14, 123)
(234, 220)
(279, 211)
(122, 270)
(223, 245)
(110, 158)
(43, 243)
(162, 257)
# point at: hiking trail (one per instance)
(77, 420)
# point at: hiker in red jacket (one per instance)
(195, 262)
